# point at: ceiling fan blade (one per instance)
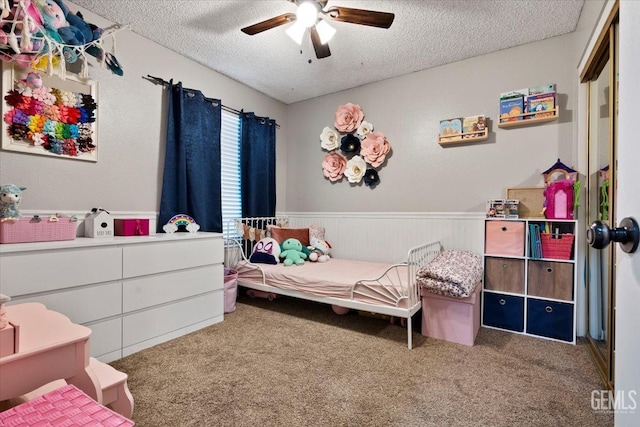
(360, 16)
(322, 50)
(269, 24)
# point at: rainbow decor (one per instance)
(181, 221)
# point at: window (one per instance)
(230, 170)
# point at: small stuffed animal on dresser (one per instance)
(10, 196)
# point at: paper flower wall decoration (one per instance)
(355, 151)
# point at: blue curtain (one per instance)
(191, 183)
(258, 165)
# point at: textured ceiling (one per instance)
(425, 34)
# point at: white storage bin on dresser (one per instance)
(133, 292)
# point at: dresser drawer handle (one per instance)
(548, 309)
(501, 301)
(549, 270)
(505, 265)
(504, 228)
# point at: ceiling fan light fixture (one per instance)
(325, 31)
(296, 32)
(307, 13)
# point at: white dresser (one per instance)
(133, 292)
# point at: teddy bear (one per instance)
(10, 196)
(292, 252)
(319, 250)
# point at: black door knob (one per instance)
(599, 235)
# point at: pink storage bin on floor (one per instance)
(230, 290)
(451, 319)
(25, 230)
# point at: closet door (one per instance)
(601, 77)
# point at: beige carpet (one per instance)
(295, 363)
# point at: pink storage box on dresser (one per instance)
(504, 238)
(131, 227)
(38, 229)
(449, 318)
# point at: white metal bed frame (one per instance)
(392, 303)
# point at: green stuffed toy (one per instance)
(292, 252)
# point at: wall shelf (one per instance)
(459, 138)
(530, 119)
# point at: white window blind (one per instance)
(230, 169)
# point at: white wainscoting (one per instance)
(387, 237)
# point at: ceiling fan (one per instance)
(312, 15)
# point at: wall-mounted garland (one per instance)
(355, 151)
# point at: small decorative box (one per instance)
(132, 227)
(502, 208)
(38, 229)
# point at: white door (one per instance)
(627, 330)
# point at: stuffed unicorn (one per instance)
(10, 196)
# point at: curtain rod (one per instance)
(159, 81)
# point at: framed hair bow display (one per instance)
(49, 116)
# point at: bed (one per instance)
(381, 288)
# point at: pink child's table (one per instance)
(51, 348)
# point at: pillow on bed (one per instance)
(317, 232)
(283, 233)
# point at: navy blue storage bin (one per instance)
(503, 311)
(550, 319)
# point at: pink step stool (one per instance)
(64, 406)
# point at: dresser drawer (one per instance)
(551, 280)
(503, 311)
(28, 272)
(158, 289)
(84, 304)
(154, 322)
(504, 238)
(150, 258)
(106, 337)
(504, 275)
(550, 319)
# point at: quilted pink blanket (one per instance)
(452, 273)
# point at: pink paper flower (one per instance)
(348, 117)
(374, 148)
(334, 165)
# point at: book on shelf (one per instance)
(536, 243)
(520, 93)
(474, 126)
(541, 105)
(511, 109)
(537, 90)
(451, 127)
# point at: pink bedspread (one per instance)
(335, 278)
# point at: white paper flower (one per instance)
(364, 129)
(330, 139)
(356, 167)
